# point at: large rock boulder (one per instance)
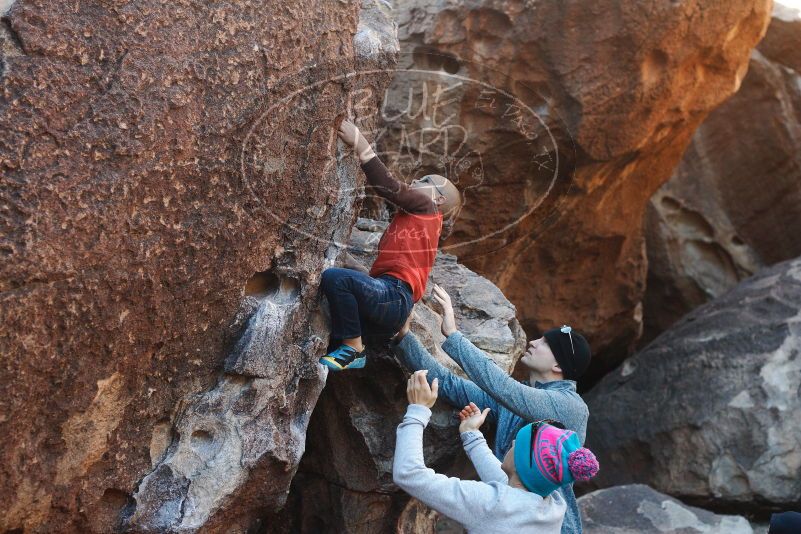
(170, 183)
(639, 509)
(344, 483)
(560, 120)
(727, 209)
(709, 410)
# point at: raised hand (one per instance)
(448, 319)
(471, 417)
(352, 137)
(418, 390)
(349, 133)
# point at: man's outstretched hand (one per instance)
(448, 319)
(418, 390)
(352, 137)
(471, 417)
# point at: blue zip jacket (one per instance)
(512, 403)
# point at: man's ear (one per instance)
(440, 200)
(556, 369)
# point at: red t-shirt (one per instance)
(408, 248)
(409, 245)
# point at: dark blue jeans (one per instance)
(361, 305)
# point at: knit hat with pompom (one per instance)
(547, 457)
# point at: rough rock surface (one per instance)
(344, 483)
(155, 156)
(417, 518)
(600, 101)
(639, 509)
(729, 207)
(717, 402)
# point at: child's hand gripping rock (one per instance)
(352, 137)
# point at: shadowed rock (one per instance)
(709, 410)
(638, 509)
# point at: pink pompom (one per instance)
(582, 464)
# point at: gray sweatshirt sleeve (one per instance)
(527, 402)
(466, 501)
(487, 465)
(457, 391)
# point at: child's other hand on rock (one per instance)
(472, 418)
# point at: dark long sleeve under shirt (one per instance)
(395, 191)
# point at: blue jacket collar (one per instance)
(554, 384)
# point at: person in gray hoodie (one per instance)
(554, 361)
(514, 496)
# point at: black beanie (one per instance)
(573, 361)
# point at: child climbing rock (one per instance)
(514, 496)
(380, 302)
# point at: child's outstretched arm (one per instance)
(379, 177)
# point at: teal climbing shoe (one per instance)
(344, 357)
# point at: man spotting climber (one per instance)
(380, 301)
(514, 496)
(554, 362)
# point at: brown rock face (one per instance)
(562, 118)
(734, 203)
(151, 162)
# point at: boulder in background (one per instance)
(733, 205)
(639, 509)
(709, 411)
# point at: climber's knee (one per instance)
(334, 276)
(328, 278)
